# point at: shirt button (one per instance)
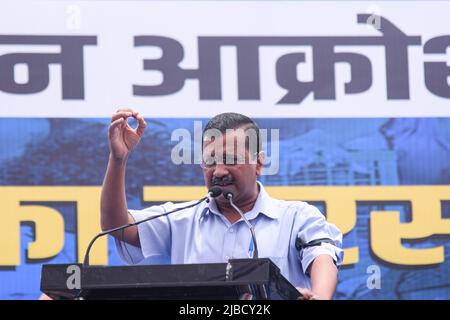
(231, 230)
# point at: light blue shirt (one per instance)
(202, 235)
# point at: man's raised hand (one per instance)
(123, 138)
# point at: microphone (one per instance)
(212, 193)
(228, 194)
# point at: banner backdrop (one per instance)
(355, 98)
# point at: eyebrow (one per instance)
(225, 155)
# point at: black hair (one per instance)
(232, 120)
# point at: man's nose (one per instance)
(220, 170)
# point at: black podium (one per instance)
(236, 279)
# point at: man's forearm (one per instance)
(113, 203)
(324, 276)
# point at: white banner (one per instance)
(197, 59)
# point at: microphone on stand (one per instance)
(228, 194)
(212, 193)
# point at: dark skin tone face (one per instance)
(239, 177)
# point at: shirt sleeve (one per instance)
(313, 227)
(154, 237)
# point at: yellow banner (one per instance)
(386, 229)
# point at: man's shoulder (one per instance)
(286, 205)
(289, 203)
(294, 206)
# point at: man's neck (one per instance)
(230, 213)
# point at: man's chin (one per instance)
(221, 200)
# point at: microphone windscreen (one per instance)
(228, 194)
(215, 191)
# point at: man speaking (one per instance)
(293, 234)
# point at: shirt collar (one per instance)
(264, 204)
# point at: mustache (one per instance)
(222, 181)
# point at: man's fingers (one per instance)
(141, 124)
(115, 124)
(307, 294)
(125, 109)
(121, 114)
(125, 113)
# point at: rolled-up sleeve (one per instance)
(313, 227)
(154, 237)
